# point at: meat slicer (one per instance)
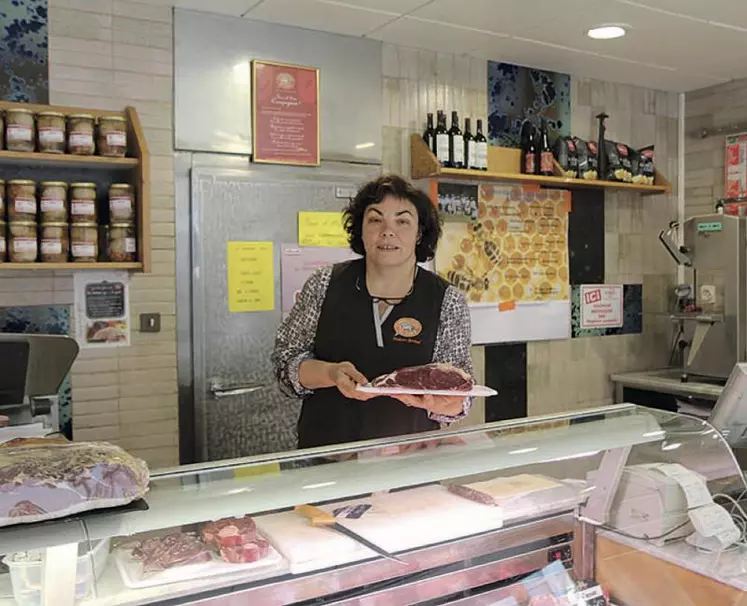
(711, 316)
(33, 369)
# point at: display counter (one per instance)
(504, 511)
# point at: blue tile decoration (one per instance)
(23, 51)
(632, 313)
(44, 320)
(516, 92)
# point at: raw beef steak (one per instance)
(236, 539)
(176, 549)
(430, 377)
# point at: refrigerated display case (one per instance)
(504, 511)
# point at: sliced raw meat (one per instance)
(471, 494)
(236, 539)
(248, 552)
(431, 377)
(176, 549)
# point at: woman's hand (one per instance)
(449, 406)
(346, 378)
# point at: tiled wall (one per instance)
(720, 106)
(106, 54)
(568, 374)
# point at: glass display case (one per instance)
(504, 513)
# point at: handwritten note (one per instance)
(251, 276)
(321, 229)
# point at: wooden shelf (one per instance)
(102, 266)
(426, 166)
(67, 160)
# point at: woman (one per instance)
(357, 320)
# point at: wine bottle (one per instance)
(544, 151)
(470, 153)
(456, 143)
(429, 136)
(442, 140)
(481, 149)
(529, 149)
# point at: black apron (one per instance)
(346, 332)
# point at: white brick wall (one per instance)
(106, 54)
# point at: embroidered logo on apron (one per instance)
(407, 329)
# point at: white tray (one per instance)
(477, 390)
(131, 570)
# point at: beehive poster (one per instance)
(512, 263)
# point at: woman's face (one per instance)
(390, 232)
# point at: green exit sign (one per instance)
(708, 227)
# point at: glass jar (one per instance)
(84, 242)
(50, 131)
(22, 243)
(53, 202)
(122, 246)
(83, 203)
(112, 139)
(80, 135)
(21, 200)
(20, 134)
(3, 243)
(54, 243)
(121, 203)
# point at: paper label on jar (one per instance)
(130, 245)
(50, 134)
(15, 132)
(120, 204)
(50, 205)
(83, 208)
(80, 139)
(25, 206)
(24, 245)
(116, 139)
(51, 247)
(83, 249)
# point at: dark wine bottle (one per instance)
(442, 140)
(470, 153)
(481, 149)
(528, 148)
(456, 143)
(544, 151)
(429, 136)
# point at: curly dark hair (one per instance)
(373, 192)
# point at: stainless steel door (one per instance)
(239, 410)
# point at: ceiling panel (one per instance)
(324, 16)
(732, 13)
(399, 7)
(235, 8)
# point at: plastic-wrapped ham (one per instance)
(43, 481)
(236, 539)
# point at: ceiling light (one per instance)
(606, 32)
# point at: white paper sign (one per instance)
(102, 309)
(601, 306)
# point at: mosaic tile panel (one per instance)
(632, 314)
(23, 51)
(516, 93)
(44, 320)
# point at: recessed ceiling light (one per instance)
(606, 32)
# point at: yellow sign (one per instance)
(321, 229)
(251, 276)
(252, 471)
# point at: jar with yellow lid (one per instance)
(121, 203)
(21, 200)
(3, 242)
(50, 132)
(112, 136)
(22, 242)
(122, 243)
(84, 242)
(83, 203)
(54, 244)
(53, 206)
(20, 131)
(80, 134)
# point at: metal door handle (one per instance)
(220, 391)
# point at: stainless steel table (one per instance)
(665, 380)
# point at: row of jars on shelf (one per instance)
(55, 133)
(60, 202)
(58, 242)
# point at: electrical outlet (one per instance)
(150, 322)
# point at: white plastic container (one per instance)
(26, 569)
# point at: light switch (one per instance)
(150, 322)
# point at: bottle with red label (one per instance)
(544, 152)
(528, 149)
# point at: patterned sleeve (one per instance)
(294, 342)
(454, 342)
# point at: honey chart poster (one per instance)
(512, 263)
